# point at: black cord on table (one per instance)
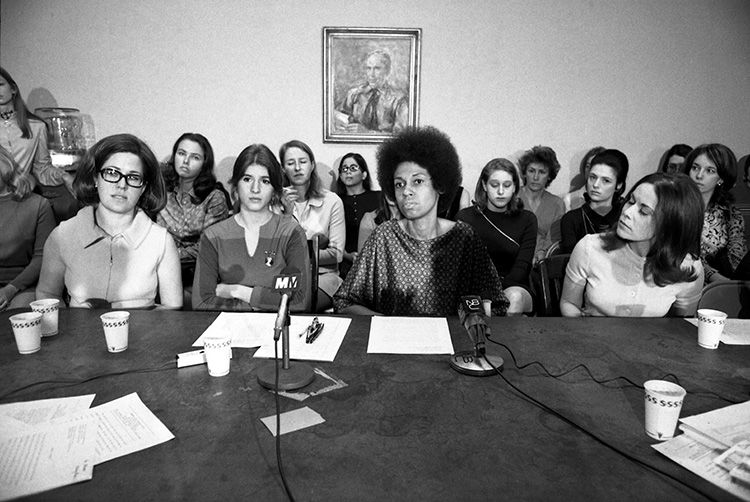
(278, 425)
(73, 382)
(593, 436)
(605, 381)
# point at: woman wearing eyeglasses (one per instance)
(353, 186)
(111, 253)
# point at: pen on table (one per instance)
(314, 335)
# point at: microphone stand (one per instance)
(290, 376)
(476, 362)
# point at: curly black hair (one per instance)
(427, 147)
(542, 155)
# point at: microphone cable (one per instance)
(279, 463)
(588, 433)
(604, 382)
(73, 382)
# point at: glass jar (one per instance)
(65, 138)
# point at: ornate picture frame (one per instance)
(370, 82)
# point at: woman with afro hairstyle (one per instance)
(539, 167)
(420, 264)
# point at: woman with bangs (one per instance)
(507, 229)
(713, 168)
(319, 211)
(111, 254)
(605, 185)
(195, 200)
(26, 221)
(239, 257)
(648, 266)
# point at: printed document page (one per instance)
(324, 348)
(409, 335)
(247, 329)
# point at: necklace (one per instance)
(6, 116)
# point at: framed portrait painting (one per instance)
(370, 83)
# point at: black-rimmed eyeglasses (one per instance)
(111, 175)
(349, 169)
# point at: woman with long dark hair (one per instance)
(354, 188)
(605, 185)
(240, 256)
(195, 200)
(648, 266)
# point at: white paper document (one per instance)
(124, 426)
(247, 329)
(727, 426)
(43, 410)
(324, 348)
(293, 420)
(736, 331)
(46, 457)
(409, 335)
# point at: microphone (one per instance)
(284, 284)
(289, 377)
(474, 320)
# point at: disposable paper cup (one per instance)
(218, 354)
(710, 326)
(27, 328)
(116, 330)
(663, 405)
(50, 310)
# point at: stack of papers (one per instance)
(56, 442)
(716, 446)
(248, 330)
(409, 335)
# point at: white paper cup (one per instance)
(27, 328)
(663, 405)
(50, 310)
(710, 326)
(116, 330)
(218, 352)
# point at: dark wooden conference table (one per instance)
(405, 427)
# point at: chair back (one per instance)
(313, 248)
(553, 249)
(732, 297)
(552, 276)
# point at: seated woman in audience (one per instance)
(111, 253)
(388, 210)
(539, 167)
(319, 211)
(24, 136)
(713, 168)
(648, 266)
(507, 229)
(674, 158)
(353, 186)
(604, 187)
(421, 264)
(195, 200)
(575, 199)
(239, 257)
(26, 221)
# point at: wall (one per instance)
(497, 76)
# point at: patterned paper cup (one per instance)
(218, 354)
(116, 330)
(663, 405)
(27, 328)
(50, 310)
(710, 326)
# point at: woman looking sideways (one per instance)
(354, 188)
(195, 200)
(319, 212)
(539, 167)
(111, 253)
(507, 229)
(647, 266)
(420, 264)
(239, 257)
(713, 168)
(604, 186)
(26, 221)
